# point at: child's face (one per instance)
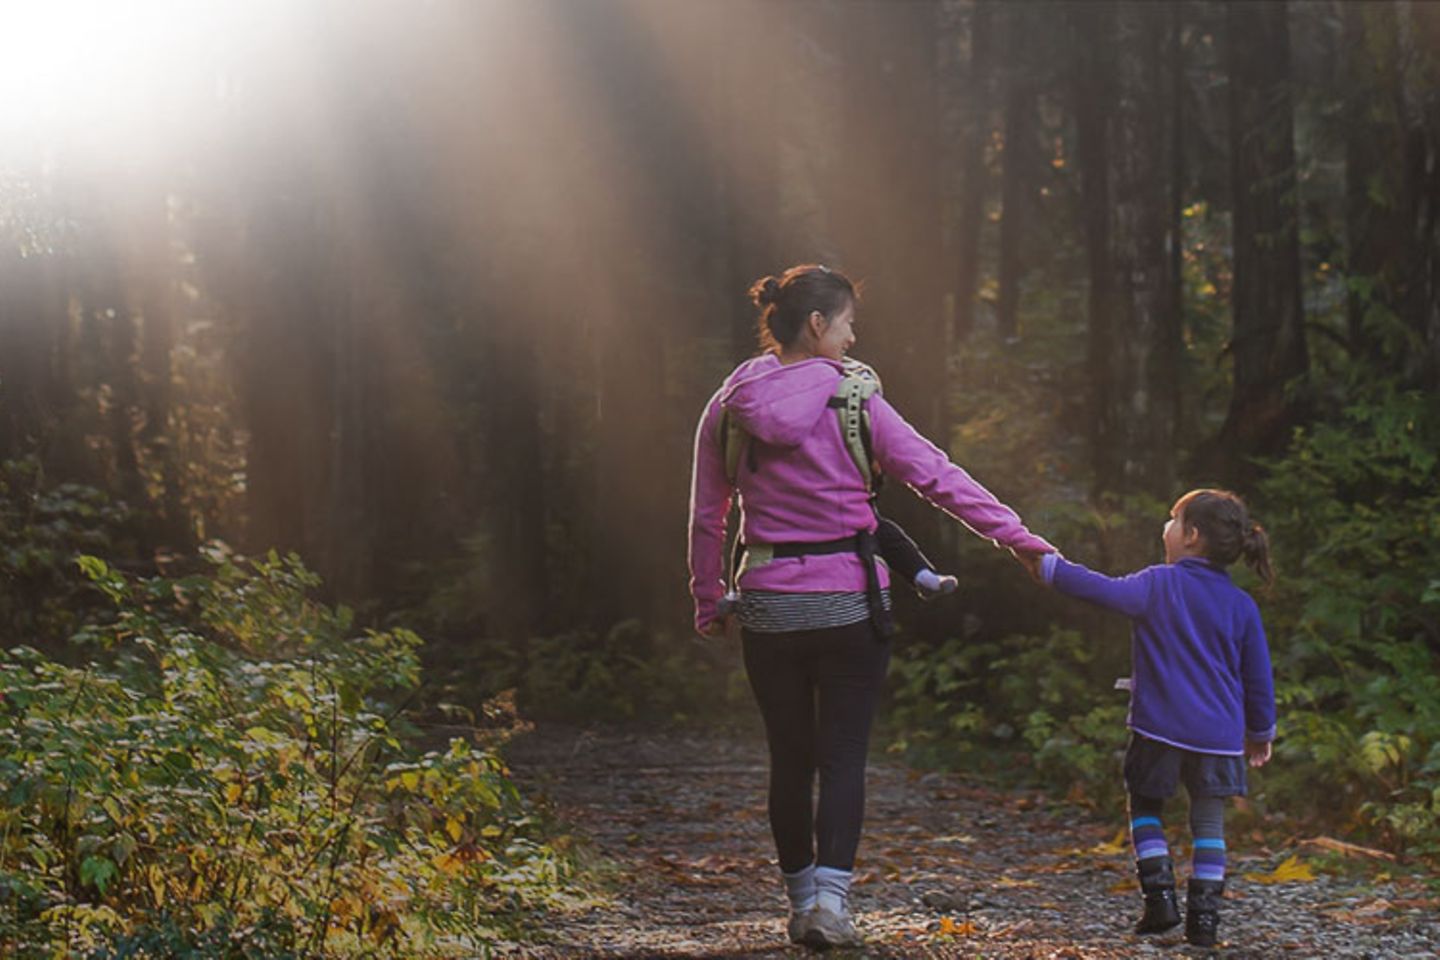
(1180, 541)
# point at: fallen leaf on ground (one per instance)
(965, 928)
(1292, 870)
(1112, 848)
(1416, 904)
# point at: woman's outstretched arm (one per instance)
(904, 454)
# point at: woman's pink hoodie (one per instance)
(806, 488)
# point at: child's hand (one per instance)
(1257, 753)
(1031, 562)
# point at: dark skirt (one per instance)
(1153, 769)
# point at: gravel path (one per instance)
(948, 868)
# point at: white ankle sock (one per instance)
(832, 888)
(932, 582)
(800, 888)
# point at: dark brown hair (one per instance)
(1225, 525)
(786, 301)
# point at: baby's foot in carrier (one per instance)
(929, 584)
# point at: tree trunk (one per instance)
(1018, 159)
(150, 290)
(1268, 342)
(1376, 213)
(1094, 86)
(974, 135)
(1167, 385)
(1130, 177)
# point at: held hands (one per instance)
(1030, 560)
(1257, 753)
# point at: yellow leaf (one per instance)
(232, 793)
(410, 779)
(1291, 871)
(965, 928)
(452, 827)
(1114, 847)
(157, 884)
(448, 864)
(491, 831)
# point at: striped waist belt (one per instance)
(863, 544)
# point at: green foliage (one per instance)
(626, 673)
(229, 778)
(41, 530)
(1046, 700)
(1355, 514)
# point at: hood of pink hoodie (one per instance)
(779, 404)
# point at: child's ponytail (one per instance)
(1229, 534)
(1256, 550)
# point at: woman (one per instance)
(808, 604)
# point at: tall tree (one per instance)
(974, 136)
(1017, 79)
(1268, 343)
(1125, 117)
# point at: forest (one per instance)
(351, 358)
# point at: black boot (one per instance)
(1157, 882)
(1202, 911)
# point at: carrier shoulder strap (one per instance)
(857, 386)
(733, 442)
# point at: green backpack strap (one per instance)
(859, 384)
(733, 441)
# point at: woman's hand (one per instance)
(719, 628)
(1257, 753)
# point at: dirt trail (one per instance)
(948, 868)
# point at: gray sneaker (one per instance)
(830, 929)
(799, 925)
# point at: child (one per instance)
(1202, 700)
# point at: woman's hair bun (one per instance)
(765, 291)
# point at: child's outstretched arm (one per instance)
(1129, 595)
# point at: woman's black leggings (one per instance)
(817, 691)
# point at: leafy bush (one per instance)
(625, 673)
(1047, 702)
(41, 530)
(1355, 513)
(229, 778)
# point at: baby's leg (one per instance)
(900, 552)
(903, 556)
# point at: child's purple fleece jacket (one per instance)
(1201, 669)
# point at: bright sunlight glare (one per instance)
(82, 69)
